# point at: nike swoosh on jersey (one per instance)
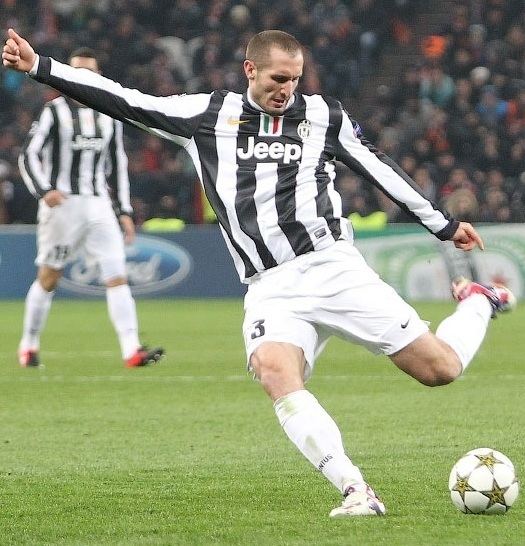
(405, 324)
(233, 121)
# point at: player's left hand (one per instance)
(128, 227)
(466, 237)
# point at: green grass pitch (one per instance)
(190, 452)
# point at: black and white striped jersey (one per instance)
(77, 151)
(269, 179)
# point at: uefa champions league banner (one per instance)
(196, 263)
(420, 267)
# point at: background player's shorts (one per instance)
(324, 293)
(84, 223)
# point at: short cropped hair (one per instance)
(259, 46)
(85, 52)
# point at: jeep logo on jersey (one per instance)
(87, 143)
(274, 152)
(153, 265)
(304, 129)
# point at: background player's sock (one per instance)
(465, 329)
(123, 315)
(317, 437)
(37, 306)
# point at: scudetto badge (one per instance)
(304, 129)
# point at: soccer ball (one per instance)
(483, 482)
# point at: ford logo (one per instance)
(152, 265)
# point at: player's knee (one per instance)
(441, 372)
(265, 363)
(278, 367)
(48, 278)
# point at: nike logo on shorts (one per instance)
(404, 325)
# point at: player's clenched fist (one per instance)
(17, 53)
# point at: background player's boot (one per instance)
(144, 356)
(28, 358)
(359, 501)
(500, 297)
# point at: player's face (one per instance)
(84, 62)
(273, 82)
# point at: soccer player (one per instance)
(74, 162)
(265, 159)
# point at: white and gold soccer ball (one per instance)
(483, 482)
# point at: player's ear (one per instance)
(250, 69)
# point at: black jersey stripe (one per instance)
(209, 178)
(98, 151)
(244, 198)
(54, 136)
(112, 149)
(285, 198)
(75, 162)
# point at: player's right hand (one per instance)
(17, 53)
(53, 198)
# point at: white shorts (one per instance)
(84, 223)
(324, 293)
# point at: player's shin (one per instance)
(317, 437)
(37, 306)
(123, 315)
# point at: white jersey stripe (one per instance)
(313, 144)
(264, 196)
(226, 183)
(86, 120)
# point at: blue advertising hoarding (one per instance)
(191, 263)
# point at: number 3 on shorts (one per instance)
(258, 329)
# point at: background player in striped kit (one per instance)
(266, 160)
(74, 162)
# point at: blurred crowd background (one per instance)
(452, 113)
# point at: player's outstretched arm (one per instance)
(175, 118)
(18, 53)
(466, 237)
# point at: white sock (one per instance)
(465, 329)
(38, 304)
(123, 315)
(317, 437)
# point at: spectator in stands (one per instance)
(463, 201)
(436, 86)
(490, 107)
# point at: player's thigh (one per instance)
(357, 305)
(429, 360)
(59, 232)
(105, 244)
